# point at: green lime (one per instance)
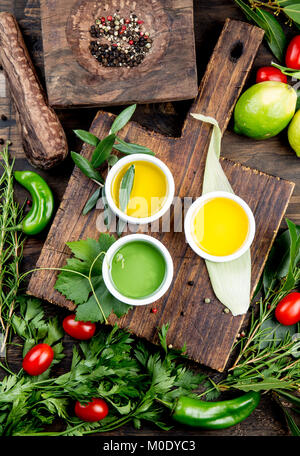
(265, 109)
(294, 133)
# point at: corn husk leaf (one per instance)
(231, 281)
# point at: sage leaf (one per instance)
(131, 148)
(107, 211)
(123, 118)
(274, 34)
(293, 11)
(87, 137)
(120, 227)
(103, 150)
(86, 167)
(230, 280)
(112, 160)
(126, 188)
(91, 203)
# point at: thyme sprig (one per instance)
(11, 245)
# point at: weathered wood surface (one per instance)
(273, 156)
(75, 78)
(43, 138)
(208, 332)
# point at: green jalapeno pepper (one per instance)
(214, 415)
(42, 202)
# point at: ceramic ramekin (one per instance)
(106, 268)
(191, 213)
(115, 170)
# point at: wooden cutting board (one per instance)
(75, 78)
(208, 332)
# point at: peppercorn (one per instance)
(125, 34)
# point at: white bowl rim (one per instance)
(109, 256)
(116, 168)
(190, 214)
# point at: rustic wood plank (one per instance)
(213, 331)
(273, 156)
(168, 72)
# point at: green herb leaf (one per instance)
(298, 100)
(274, 34)
(126, 188)
(287, 71)
(85, 166)
(291, 423)
(123, 118)
(290, 281)
(103, 150)
(131, 148)
(91, 203)
(250, 14)
(272, 333)
(278, 262)
(87, 137)
(76, 286)
(273, 31)
(293, 11)
(267, 384)
(107, 213)
(290, 397)
(112, 160)
(120, 227)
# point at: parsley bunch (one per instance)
(112, 365)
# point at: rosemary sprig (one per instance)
(11, 245)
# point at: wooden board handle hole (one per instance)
(236, 51)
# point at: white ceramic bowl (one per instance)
(192, 211)
(106, 267)
(115, 170)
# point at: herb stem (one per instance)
(92, 286)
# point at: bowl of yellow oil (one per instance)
(219, 226)
(152, 191)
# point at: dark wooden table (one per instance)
(273, 156)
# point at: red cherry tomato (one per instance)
(82, 330)
(93, 411)
(269, 73)
(292, 56)
(287, 311)
(38, 359)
